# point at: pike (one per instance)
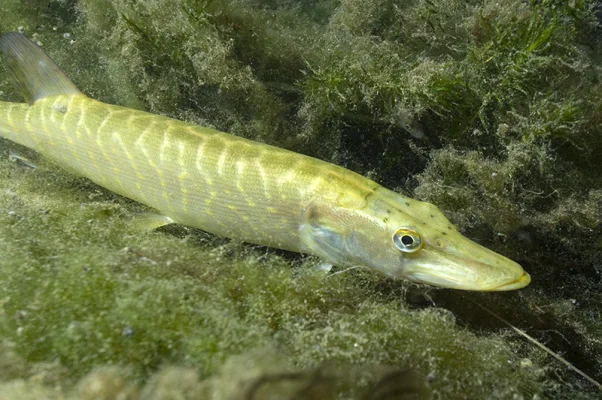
(238, 188)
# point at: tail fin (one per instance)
(32, 71)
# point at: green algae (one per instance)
(489, 109)
(104, 295)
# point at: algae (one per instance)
(489, 109)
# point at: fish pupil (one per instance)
(407, 240)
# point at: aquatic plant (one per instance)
(489, 109)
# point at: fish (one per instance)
(238, 188)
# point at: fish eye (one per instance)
(407, 240)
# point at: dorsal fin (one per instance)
(32, 71)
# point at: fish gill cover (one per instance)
(491, 110)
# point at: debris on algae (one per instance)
(492, 110)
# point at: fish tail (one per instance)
(32, 71)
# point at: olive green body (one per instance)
(197, 176)
(239, 188)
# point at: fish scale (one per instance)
(204, 178)
(238, 188)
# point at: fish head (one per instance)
(409, 239)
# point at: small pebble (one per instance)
(128, 331)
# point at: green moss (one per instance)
(82, 288)
(489, 109)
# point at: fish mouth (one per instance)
(485, 271)
(521, 282)
(459, 284)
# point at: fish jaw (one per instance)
(465, 265)
(520, 283)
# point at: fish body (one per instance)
(238, 188)
(200, 177)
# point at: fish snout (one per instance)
(466, 267)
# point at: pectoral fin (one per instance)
(150, 221)
(22, 160)
(320, 239)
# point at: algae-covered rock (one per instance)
(491, 110)
(106, 383)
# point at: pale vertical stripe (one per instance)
(264, 178)
(199, 162)
(222, 159)
(66, 112)
(104, 121)
(183, 172)
(80, 119)
(141, 145)
(117, 139)
(314, 184)
(199, 157)
(55, 109)
(44, 123)
(181, 162)
(108, 160)
(286, 177)
(28, 120)
(116, 136)
(240, 170)
(164, 146)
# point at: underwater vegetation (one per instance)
(492, 110)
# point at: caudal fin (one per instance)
(32, 71)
